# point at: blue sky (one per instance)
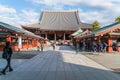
(17, 12)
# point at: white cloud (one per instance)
(57, 2)
(10, 16)
(104, 17)
(29, 16)
(92, 16)
(102, 3)
(5, 9)
(110, 10)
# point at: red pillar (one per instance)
(110, 45)
(8, 38)
(27, 43)
(118, 49)
(36, 42)
(32, 42)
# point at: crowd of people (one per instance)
(94, 46)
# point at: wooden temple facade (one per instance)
(18, 37)
(109, 34)
(57, 25)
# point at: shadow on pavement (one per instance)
(52, 65)
(66, 48)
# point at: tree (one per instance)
(117, 19)
(96, 25)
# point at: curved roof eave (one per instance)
(18, 30)
(103, 29)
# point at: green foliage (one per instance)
(95, 25)
(117, 19)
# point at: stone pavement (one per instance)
(109, 60)
(61, 64)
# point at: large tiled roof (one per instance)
(59, 20)
(85, 25)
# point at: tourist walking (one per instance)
(42, 47)
(53, 45)
(114, 47)
(77, 47)
(80, 46)
(7, 50)
(38, 46)
(101, 47)
(105, 47)
(84, 46)
(94, 46)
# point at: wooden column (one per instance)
(8, 38)
(64, 38)
(19, 43)
(46, 36)
(71, 39)
(27, 44)
(36, 42)
(118, 48)
(98, 42)
(110, 44)
(55, 37)
(33, 42)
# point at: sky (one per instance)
(22, 12)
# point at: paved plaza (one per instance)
(109, 60)
(62, 64)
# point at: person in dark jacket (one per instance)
(114, 46)
(9, 50)
(105, 45)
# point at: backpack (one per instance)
(5, 54)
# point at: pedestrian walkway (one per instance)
(60, 65)
(15, 63)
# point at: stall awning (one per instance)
(114, 34)
(77, 32)
(83, 33)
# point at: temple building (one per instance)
(57, 25)
(18, 37)
(109, 34)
